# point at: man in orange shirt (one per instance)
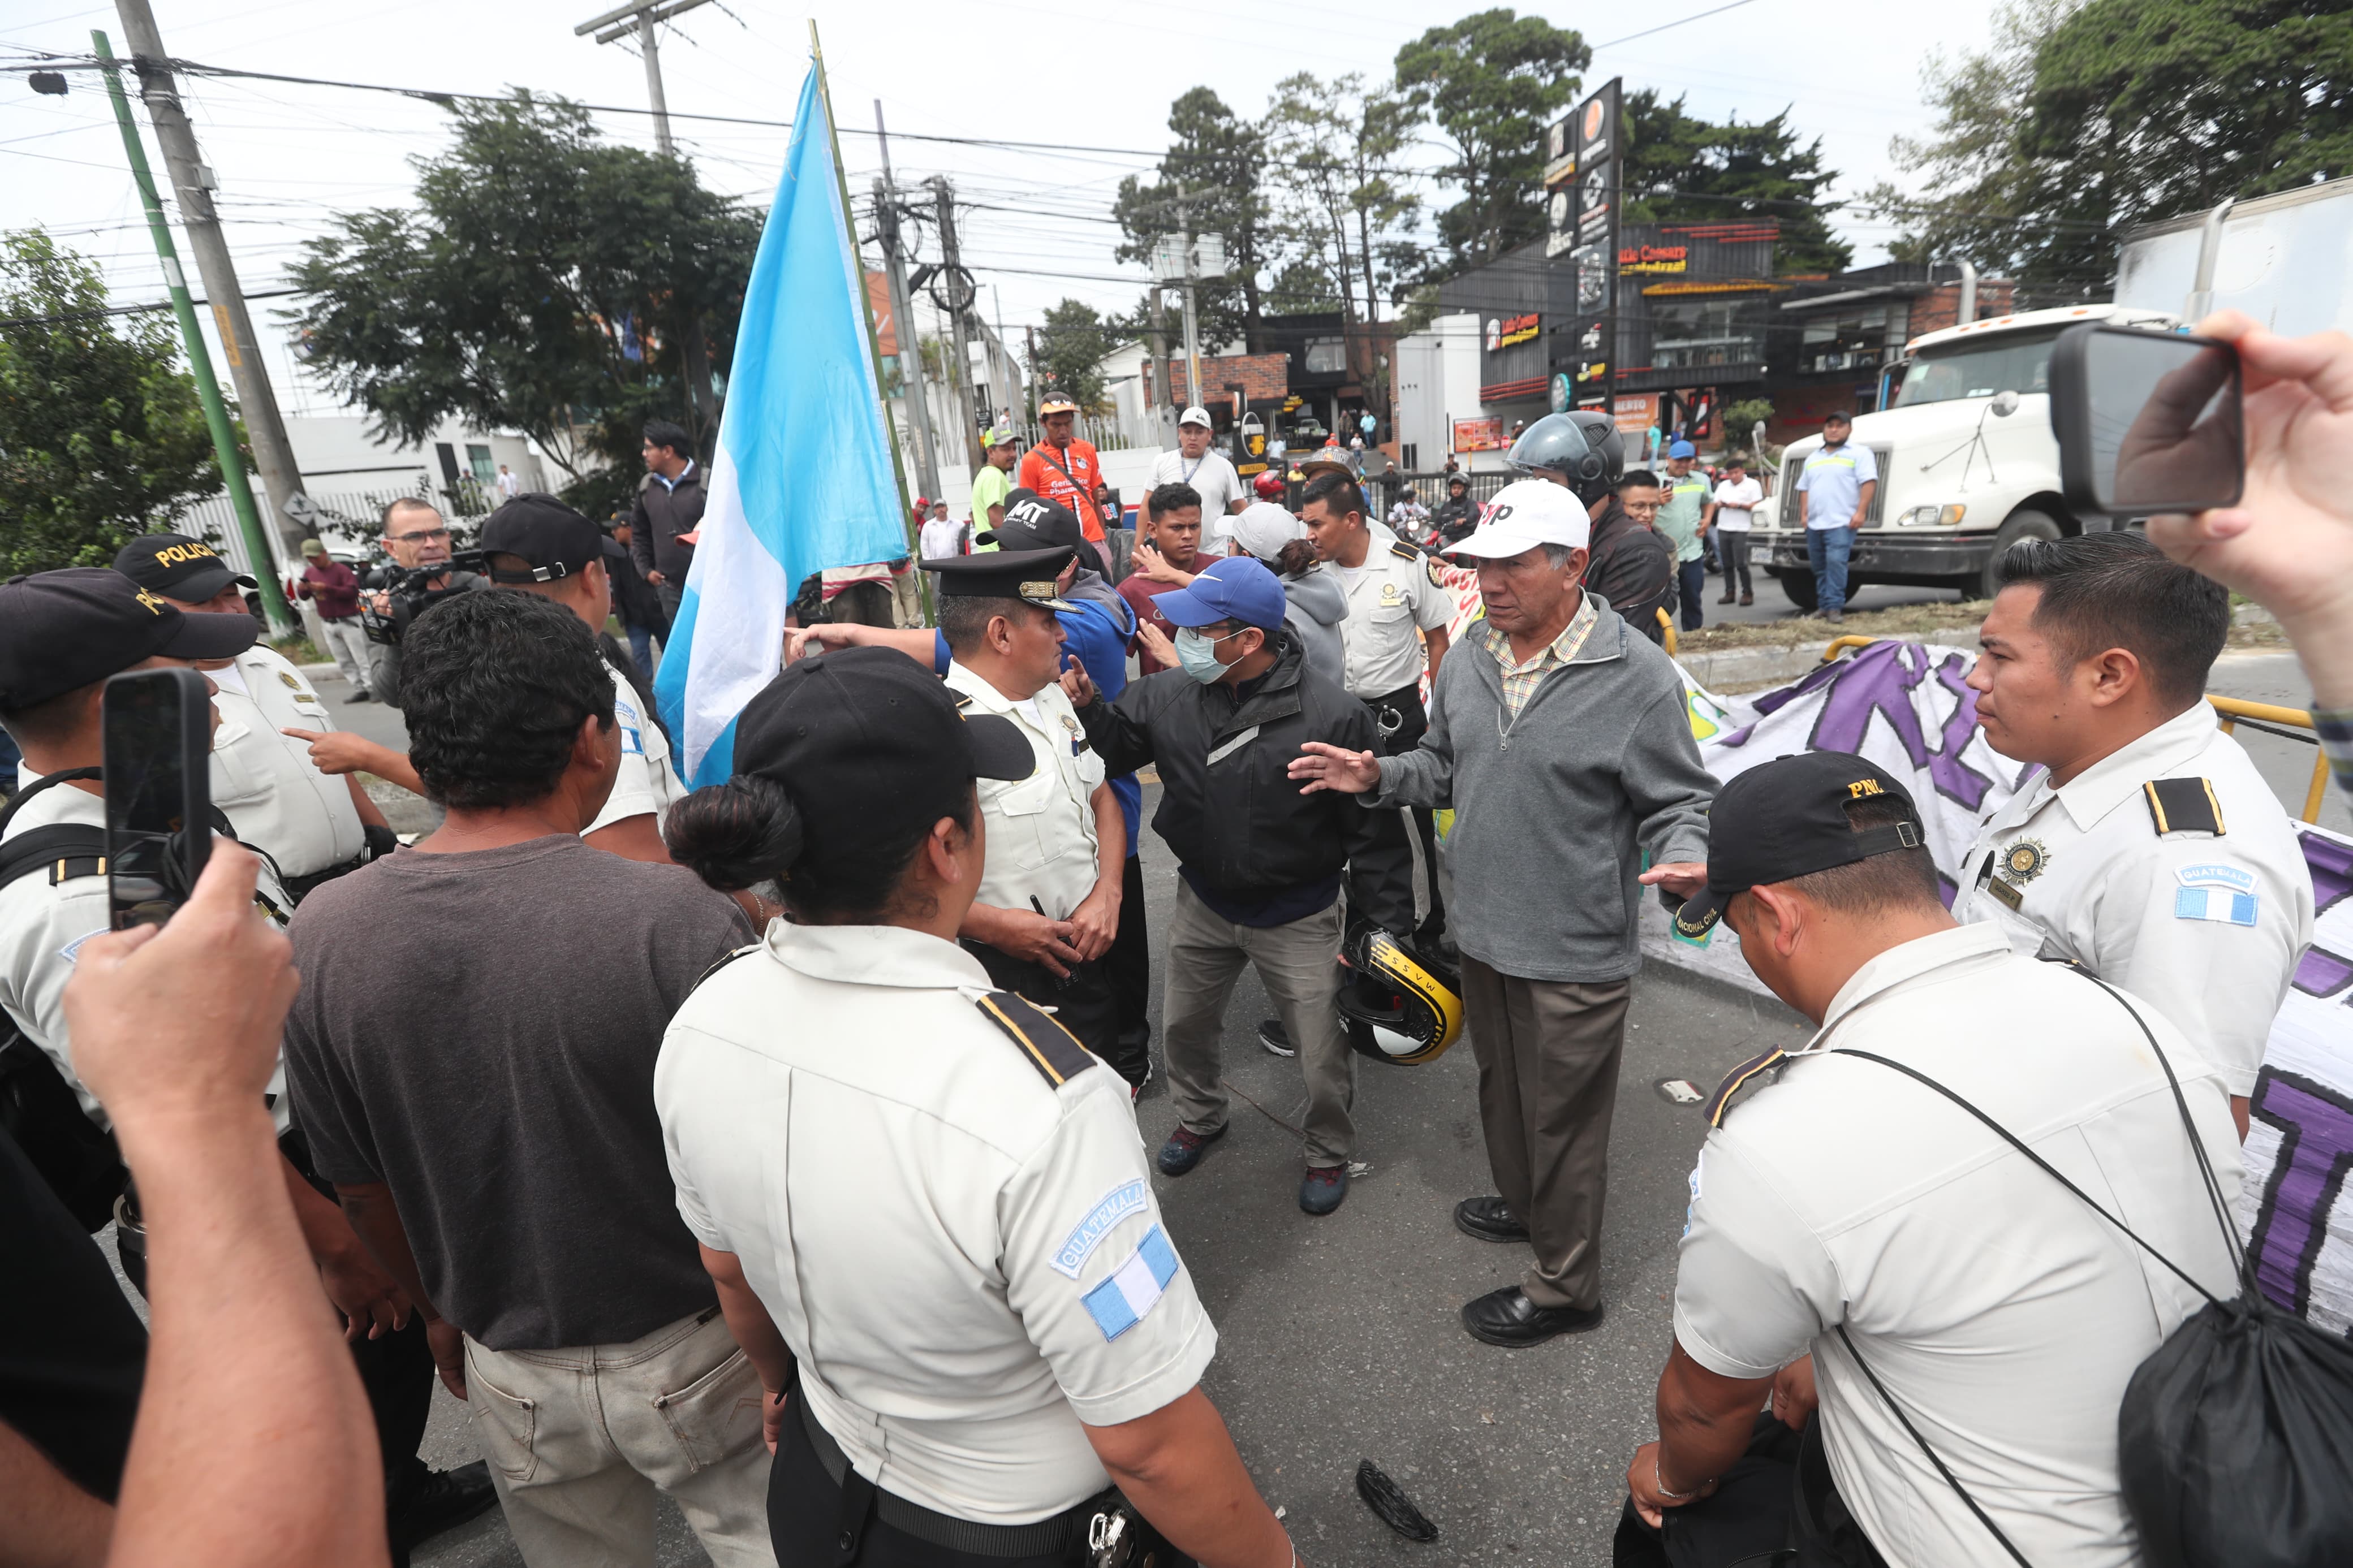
(1064, 469)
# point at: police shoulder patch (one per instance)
(1403, 551)
(1429, 569)
(2183, 805)
(1052, 1049)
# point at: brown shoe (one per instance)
(1726, 600)
(1747, 598)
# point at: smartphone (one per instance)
(158, 741)
(2147, 423)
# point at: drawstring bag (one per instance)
(2235, 1438)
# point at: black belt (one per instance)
(299, 888)
(1065, 1533)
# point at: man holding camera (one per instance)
(417, 537)
(62, 633)
(312, 828)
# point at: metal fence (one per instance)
(349, 521)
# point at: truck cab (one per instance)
(1968, 463)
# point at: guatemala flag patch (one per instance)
(2224, 894)
(1135, 1287)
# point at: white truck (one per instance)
(1967, 459)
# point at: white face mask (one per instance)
(1198, 655)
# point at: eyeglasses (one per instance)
(416, 538)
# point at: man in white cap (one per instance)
(1211, 474)
(1557, 737)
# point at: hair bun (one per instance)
(735, 834)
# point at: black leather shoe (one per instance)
(1184, 1149)
(1489, 1219)
(1507, 1318)
(362, 695)
(443, 1499)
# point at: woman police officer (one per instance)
(926, 1207)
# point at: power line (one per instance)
(1664, 26)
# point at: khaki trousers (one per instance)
(1547, 1054)
(1296, 963)
(578, 1440)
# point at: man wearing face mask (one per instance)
(1260, 864)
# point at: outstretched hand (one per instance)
(1327, 766)
(1683, 878)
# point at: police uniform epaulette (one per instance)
(2183, 805)
(1738, 1078)
(1403, 551)
(962, 698)
(1052, 1049)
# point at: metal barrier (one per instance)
(2233, 711)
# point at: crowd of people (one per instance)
(773, 1146)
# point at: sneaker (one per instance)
(1836, 617)
(1184, 1149)
(1275, 1038)
(1135, 1089)
(362, 695)
(1323, 1189)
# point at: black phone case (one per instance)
(195, 739)
(2071, 424)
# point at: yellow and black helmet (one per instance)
(1397, 1008)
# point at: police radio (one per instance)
(158, 741)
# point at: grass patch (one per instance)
(297, 649)
(1940, 621)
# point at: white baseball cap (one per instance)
(1195, 417)
(1525, 514)
(1263, 528)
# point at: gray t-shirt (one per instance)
(478, 1031)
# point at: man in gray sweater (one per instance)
(1558, 736)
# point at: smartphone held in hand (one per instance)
(158, 751)
(2148, 423)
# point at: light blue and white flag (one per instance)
(803, 478)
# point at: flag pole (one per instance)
(873, 342)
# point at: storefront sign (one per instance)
(1479, 435)
(1505, 332)
(1655, 258)
(1635, 414)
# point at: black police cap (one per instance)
(554, 539)
(60, 631)
(870, 746)
(1788, 818)
(1028, 574)
(179, 567)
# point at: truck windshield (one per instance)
(2020, 364)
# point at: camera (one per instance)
(411, 592)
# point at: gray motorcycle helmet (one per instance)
(1580, 445)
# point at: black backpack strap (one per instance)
(46, 781)
(1942, 1469)
(64, 849)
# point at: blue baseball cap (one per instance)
(1233, 588)
(1682, 450)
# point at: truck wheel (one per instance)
(2023, 524)
(1800, 586)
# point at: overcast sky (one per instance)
(1071, 73)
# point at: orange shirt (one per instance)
(1069, 479)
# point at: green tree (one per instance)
(1680, 168)
(1070, 349)
(102, 435)
(1330, 143)
(2087, 118)
(1217, 159)
(1490, 82)
(541, 283)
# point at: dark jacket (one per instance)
(1454, 518)
(1240, 825)
(634, 599)
(663, 513)
(1633, 568)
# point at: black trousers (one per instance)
(1083, 1004)
(1400, 720)
(811, 1524)
(1733, 548)
(1775, 1506)
(1129, 962)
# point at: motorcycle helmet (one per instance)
(1397, 1008)
(1580, 445)
(1269, 486)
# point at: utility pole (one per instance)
(639, 19)
(1006, 378)
(1192, 279)
(895, 265)
(953, 281)
(192, 184)
(1164, 393)
(1030, 334)
(200, 359)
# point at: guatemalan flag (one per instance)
(803, 478)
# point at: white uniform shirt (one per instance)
(1212, 473)
(1735, 504)
(968, 1262)
(2002, 1314)
(265, 781)
(1392, 600)
(43, 926)
(2209, 928)
(645, 783)
(1041, 829)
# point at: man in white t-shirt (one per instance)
(942, 536)
(1730, 513)
(1209, 471)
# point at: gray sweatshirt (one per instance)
(1549, 815)
(1315, 607)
